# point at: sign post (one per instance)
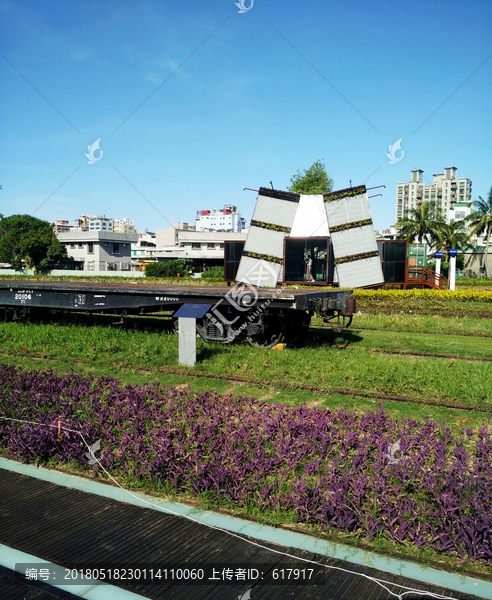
(438, 267)
(187, 315)
(452, 269)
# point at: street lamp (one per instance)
(438, 266)
(453, 253)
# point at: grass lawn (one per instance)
(417, 323)
(345, 361)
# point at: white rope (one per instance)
(380, 582)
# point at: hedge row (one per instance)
(426, 295)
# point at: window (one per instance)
(72, 245)
(221, 246)
(196, 245)
(116, 248)
(80, 245)
(90, 248)
(210, 246)
(306, 259)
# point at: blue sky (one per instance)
(260, 95)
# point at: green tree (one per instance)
(451, 235)
(481, 222)
(26, 240)
(421, 225)
(460, 264)
(314, 180)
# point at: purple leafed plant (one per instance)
(332, 468)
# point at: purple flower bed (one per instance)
(332, 468)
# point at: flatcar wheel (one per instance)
(271, 334)
(339, 322)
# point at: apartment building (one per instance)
(60, 226)
(220, 219)
(124, 225)
(448, 195)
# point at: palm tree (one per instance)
(450, 235)
(421, 225)
(481, 223)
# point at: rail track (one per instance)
(426, 331)
(389, 351)
(427, 313)
(261, 383)
(325, 390)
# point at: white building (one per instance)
(124, 225)
(387, 234)
(145, 245)
(99, 250)
(220, 219)
(100, 223)
(449, 196)
(204, 248)
(93, 223)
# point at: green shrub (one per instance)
(425, 294)
(214, 273)
(169, 268)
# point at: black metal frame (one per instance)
(383, 259)
(316, 237)
(243, 242)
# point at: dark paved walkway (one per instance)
(11, 588)
(70, 527)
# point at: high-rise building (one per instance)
(220, 219)
(449, 196)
